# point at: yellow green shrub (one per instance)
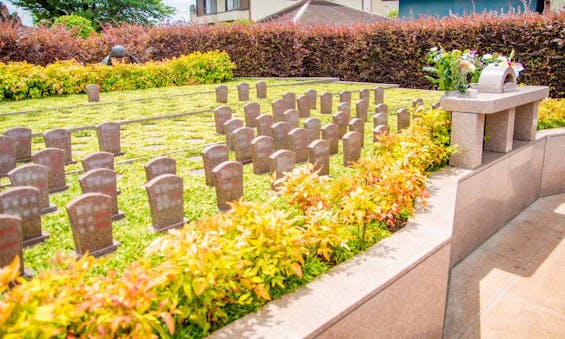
(551, 114)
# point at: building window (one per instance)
(232, 5)
(210, 6)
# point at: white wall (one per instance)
(262, 8)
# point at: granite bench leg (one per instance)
(525, 124)
(467, 132)
(499, 131)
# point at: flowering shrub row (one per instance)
(21, 80)
(217, 269)
(390, 52)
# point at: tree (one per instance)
(99, 11)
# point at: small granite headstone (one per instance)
(379, 95)
(241, 139)
(290, 99)
(380, 119)
(282, 161)
(212, 156)
(228, 177)
(98, 160)
(351, 148)
(436, 105)
(381, 108)
(330, 133)
(314, 128)
(159, 166)
(36, 176)
(23, 202)
(319, 155)
(108, 134)
(292, 116)
(313, 95)
(7, 155)
(230, 126)
(102, 180)
(357, 125)
(279, 132)
(52, 158)
(365, 94)
(298, 143)
(262, 147)
(91, 222)
(361, 109)
(264, 122)
(60, 138)
(345, 107)
(11, 236)
(417, 102)
(166, 202)
(279, 107)
(345, 96)
(341, 119)
(304, 106)
(251, 111)
(221, 115)
(261, 90)
(93, 92)
(23, 142)
(243, 91)
(403, 119)
(379, 131)
(326, 102)
(222, 94)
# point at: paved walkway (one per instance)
(513, 286)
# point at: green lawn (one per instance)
(184, 136)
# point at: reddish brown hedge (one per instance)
(392, 51)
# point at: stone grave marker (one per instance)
(326, 102)
(290, 99)
(212, 156)
(93, 92)
(341, 119)
(361, 109)
(279, 107)
(23, 202)
(313, 95)
(23, 142)
(228, 177)
(159, 166)
(60, 138)
(221, 115)
(90, 215)
(378, 131)
(379, 95)
(11, 242)
(108, 134)
(403, 119)
(52, 158)
(262, 147)
(36, 176)
(319, 155)
(436, 105)
(330, 133)
(365, 94)
(279, 132)
(264, 122)
(105, 181)
(417, 102)
(380, 119)
(7, 155)
(345, 107)
(166, 202)
(345, 96)
(304, 106)
(98, 160)
(381, 108)
(282, 161)
(357, 125)
(261, 90)
(298, 143)
(251, 111)
(241, 139)
(230, 126)
(314, 128)
(351, 148)
(292, 116)
(243, 91)
(222, 94)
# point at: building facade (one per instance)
(412, 9)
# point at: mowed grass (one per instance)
(181, 138)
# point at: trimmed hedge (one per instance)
(20, 80)
(390, 51)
